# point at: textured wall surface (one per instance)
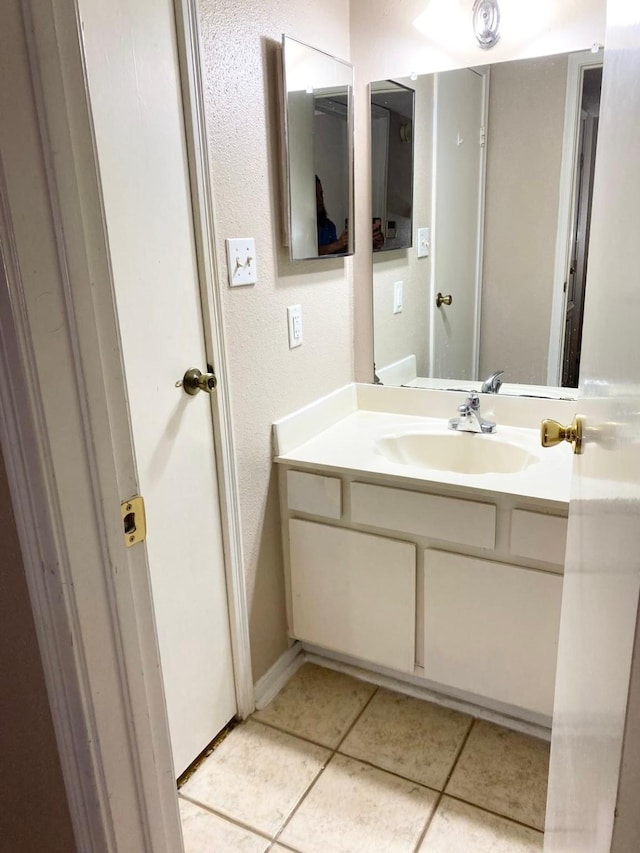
(268, 380)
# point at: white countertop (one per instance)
(338, 434)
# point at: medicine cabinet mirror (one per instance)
(318, 152)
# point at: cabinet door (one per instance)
(354, 593)
(492, 629)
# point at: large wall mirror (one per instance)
(503, 177)
(318, 110)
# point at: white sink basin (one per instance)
(460, 452)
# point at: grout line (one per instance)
(226, 817)
(329, 760)
(388, 772)
(301, 800)
(444, 787)
(495, 814)
(356, 720)
(284, 731)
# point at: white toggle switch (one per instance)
(294, 321)
(397, 297)
(424, 242)
(241, 261)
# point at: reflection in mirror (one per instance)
(391, 165)
(318, 121)
(502, 185)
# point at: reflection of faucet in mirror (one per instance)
(328, 241)
(470, 419)
(491, 384)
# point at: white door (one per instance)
(456, 246)
(602, 572)
(132, 69)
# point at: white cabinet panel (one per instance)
(450, 519)
(492, 629)
(314, 494)
(354, 593)
(538, 536)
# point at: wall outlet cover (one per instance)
(294, 323)
(397, 297)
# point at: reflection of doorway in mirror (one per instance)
(458, 188)
(583, 194)
(584, 80)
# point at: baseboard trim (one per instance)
(409, 687)
(274, 679)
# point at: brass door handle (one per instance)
(443, 300)
(552, 433)
(194, 381)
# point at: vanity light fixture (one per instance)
(486, 22)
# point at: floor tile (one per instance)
(408, 736)
(458, 827)
(203, 832)
(503, 771)
(257, 775)
(354, 807)
(318, 703)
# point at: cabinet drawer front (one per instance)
(449, 519)
(492, 629)
(538, 536)
(314, 494)
(354, 593)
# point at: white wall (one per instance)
(385, 44)
(242, 50)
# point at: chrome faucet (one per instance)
(491, 384)
(470, 419)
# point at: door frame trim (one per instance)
(70, 461)
(189, 55)
(577, 62)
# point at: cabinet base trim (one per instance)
(414, 686)
(271, 683)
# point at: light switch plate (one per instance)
(294, 322)
(397, 297)
(241, 261)
(424, 242)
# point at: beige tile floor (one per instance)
(336, 765)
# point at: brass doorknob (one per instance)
(552, 433)
(443, 300)
(194, 381)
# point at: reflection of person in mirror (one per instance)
(376, 234)
(328, 241)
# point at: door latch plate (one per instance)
(133, 520)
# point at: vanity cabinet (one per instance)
(354, 593)
(491, 628)
(457, 588)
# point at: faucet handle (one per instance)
(471, 404)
